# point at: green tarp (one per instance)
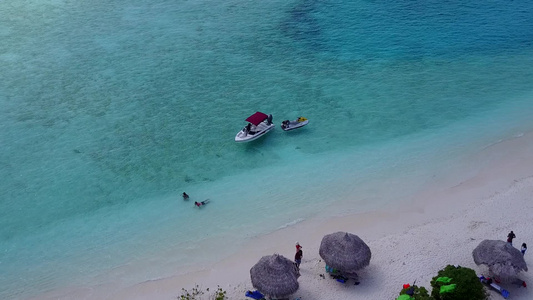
(447, 288)
(444, 279)
(405, 297)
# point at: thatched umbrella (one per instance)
(275, 276)
(503, 260)
(344, 251)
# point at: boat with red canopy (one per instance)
(258, 124)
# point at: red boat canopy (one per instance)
(257, 118)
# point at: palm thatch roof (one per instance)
(275, 276)
(503, 260)
(345, 251)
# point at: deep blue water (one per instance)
(415, 29)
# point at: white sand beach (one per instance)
(441, 226)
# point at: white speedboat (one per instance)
(259, 124)
(290, 125)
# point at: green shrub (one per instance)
(196, 292)
(420, 293)
(191, 295)
(467, 284)
(220, 294)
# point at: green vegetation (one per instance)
(457, 283)
(220, 294)
(451, 283)
(419, 293)
(192, 295)
(196, 291)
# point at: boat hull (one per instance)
(294, 125)
(262, 129)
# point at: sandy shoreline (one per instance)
(441, 226)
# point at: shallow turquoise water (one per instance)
(109, 111)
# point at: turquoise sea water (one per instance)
(110, 110)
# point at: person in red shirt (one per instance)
(298, 247)
(200, 204)
(510, 237)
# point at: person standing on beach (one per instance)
(510, 237)
(298, 258)
(524, 248)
